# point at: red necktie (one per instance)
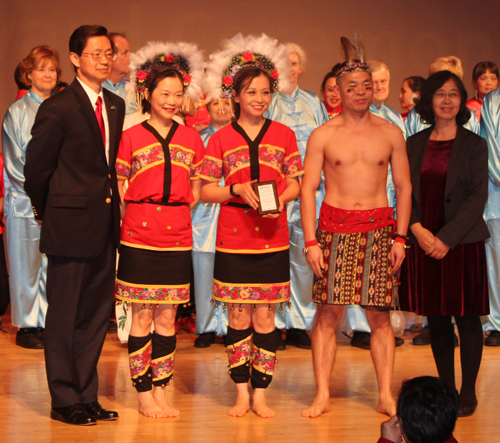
(100, 120)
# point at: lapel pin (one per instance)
(113, 108)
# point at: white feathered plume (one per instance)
(187, 51)
(217, 68)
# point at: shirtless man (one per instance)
(354, 151)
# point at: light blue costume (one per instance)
(356, 316)
(415, 124)
(302, 112)
(120, 89)
(28, 266)
(204, 221)
(490, 130)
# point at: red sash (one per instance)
(344, 221)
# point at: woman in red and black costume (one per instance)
(252, 265)
(156, 238)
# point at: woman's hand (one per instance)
(316, 260)
(439, 249)
(277, 214)
(246, 192)
(424, 237)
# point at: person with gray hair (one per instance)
(302, 111)
(118, 80)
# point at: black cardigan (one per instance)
(466, 188)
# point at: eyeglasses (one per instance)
(451, 95)
(97, 56)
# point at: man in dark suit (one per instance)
(71, 180)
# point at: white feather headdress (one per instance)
(158, 56)
(239, 52)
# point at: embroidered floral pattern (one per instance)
(163, 367)
(263, 361)
(263, 293)
(239, 353)
(145, 294)
(140, 360)
(145, 157)
(154, 154)
(293, 165)
(123, 170)
(211, 169)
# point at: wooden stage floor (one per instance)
(203, 392)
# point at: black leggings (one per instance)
(471, 349)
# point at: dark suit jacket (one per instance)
(71, 186)
(466, 189)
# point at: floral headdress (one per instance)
(157, 57)
(354, 57)
(241, 52)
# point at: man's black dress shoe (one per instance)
(205, 340)
(298, 338)
(28, 338)
(73, 415)
(362, 340)
(99, 413)
(280, 343)
(493, 339)
(468, 410)
(424, 338)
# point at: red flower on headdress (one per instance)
(228, 81)
(248, 56)
(274, 75)
(141, 75)
(169, 59)
(186, 78)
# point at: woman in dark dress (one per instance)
(445, 274)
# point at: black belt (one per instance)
(239, 205)
(158, 203)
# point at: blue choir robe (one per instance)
(356, 317)
(490, 130)
(28, 266)
(303, 112)
(120, 89)
(204, 216)
(414, 123)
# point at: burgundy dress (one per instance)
(456, 285)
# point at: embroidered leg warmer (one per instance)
(238, 346)
(263, 359)
(163, 358)
(139, 352)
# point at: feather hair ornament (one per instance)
(157, 57)
(240, 52)
(354, 56)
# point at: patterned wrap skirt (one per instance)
(358, 268)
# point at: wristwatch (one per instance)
(231, 191)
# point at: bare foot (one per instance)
(320, 406)
(148, 406)
(242, 405)
(161, 401)
(387, 405)
(259, 404)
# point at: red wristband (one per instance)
(311, 243)
(400, 240)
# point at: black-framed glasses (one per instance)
(452, 95)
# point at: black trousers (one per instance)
(80, 301)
